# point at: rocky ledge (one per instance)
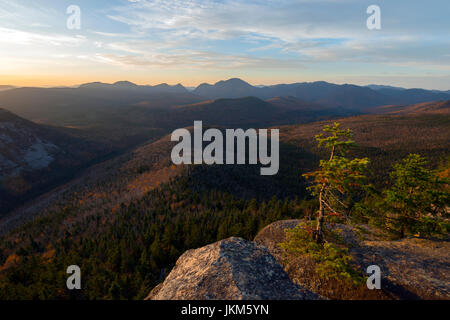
(236, 269)
(231, 269)
(411, 268)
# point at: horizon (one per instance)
(212, 83)
(199, 41)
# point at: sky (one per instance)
(194, 41)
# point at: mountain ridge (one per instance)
(322, 92)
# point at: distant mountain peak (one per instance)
(321, 82)
(95, 84)
(125, 84)
(234, 81)
(204, 84)
(231, 88)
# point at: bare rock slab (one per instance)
(231, 269)
(412, 268)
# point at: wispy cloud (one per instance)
(197, 60)
(314, 30)
(324, 38)
(12, 36)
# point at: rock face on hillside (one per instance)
(411, 268)
(34, 157)
(233, 269)
(22, 145)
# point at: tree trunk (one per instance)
(320, 218)
(319, 229)
(402, 231)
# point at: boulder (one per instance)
(231, 269)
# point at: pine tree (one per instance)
(417, 199)
(337, 178)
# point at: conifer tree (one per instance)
(337, 178)
(417, 200)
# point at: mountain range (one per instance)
(327, 94)
(87, 177)
(62, 130)
(36, 102)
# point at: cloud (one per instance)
(12, 36)
(228, 19)
(14, 14)
(310, 30)
(196, 60)
(319, 37)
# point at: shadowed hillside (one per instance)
(36, 157)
